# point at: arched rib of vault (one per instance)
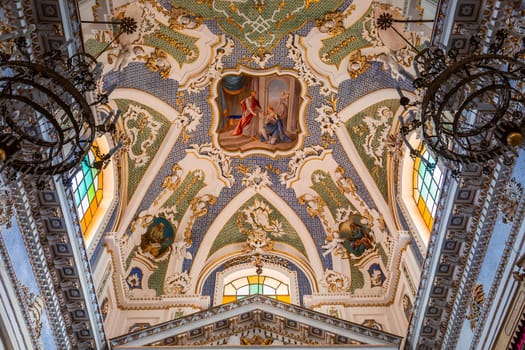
(352, 153)
(202, 262)
(171, 114)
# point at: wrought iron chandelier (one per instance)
(47, 125)
(472, 107)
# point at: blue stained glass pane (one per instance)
(85, 165)
(77, 198)
(89, 179)
(82, 189)
(255, 288)
(421, 170)
(424, 193)
(427, 179)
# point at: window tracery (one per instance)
(428, 179)
(87, 190)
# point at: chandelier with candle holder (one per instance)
(470, 107)
(47, 125)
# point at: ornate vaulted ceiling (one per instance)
(316, 194)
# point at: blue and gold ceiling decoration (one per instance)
(183, 64)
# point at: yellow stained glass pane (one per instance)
(421, 205)
(285, 298)
(87, 217)
(427, 217)
(255, 279)
(83, 225)
(93, 208)
(228, 299)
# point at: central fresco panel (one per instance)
(259, 112)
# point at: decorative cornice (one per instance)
(502, 266)
(262, 300)
(29, 230)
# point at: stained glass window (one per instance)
(87, 190)
(250, 285)
(427, 187)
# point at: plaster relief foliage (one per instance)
(177, 284)
(256, 178)
(475, 305)
(510, 200)
(370, 131)
(332, 22)
(396, 56)
(379, 127)
(188, 120)
(199, 207)
(220, 158)
(304, 71)
(145, 130)
(257, 223)
(214, 68)
(336, 48)
(335, 282)
(328, 119)
(141, 128)
(125, 49)
(298, 159)
(155, 246)
(261, 60)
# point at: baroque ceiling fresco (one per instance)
(256, 130)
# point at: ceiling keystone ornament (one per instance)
(256, 179)
(258, 224)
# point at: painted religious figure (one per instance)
(250, 108)
(158, 238)
(258, 112)
(356, 236)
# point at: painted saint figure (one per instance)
(250, 107)
(158, 238)
(282, 108)
(356, 235)
(273, 130)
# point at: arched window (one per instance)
(250, 285)
(87, 190)
(427, 186)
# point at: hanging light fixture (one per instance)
(46, 122)
(471, 106)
